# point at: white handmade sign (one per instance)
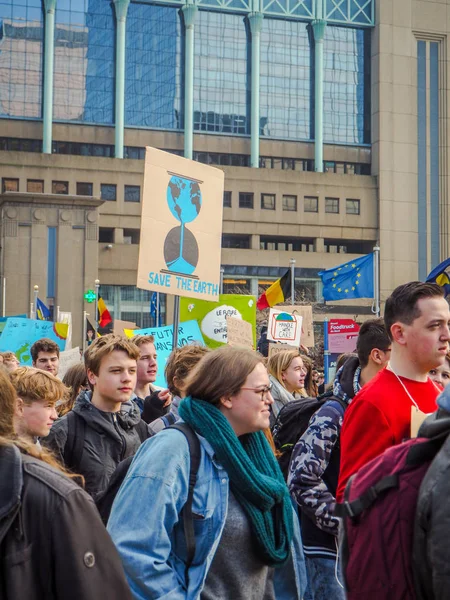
(284, 327)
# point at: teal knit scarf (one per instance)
(255, 478)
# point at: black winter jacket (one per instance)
(109, 438)
(53, 545)
(431, 550)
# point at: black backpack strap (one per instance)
(355, 508)
(186, 512)
(73, 450)
(142, 430)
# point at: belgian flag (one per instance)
(104, 318)
(278, 292)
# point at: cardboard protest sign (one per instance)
(20, 334)
(188, 333)
(67, 359)
(277, 348)
(120, 326)
(284, 327)
(212, 316)
(307, 324)
(181, 227)
(239, 333)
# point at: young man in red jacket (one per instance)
(417, 320)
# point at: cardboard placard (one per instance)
(284, 327)
(119, 326)
(277, 348)
(181, 227)
(307, 324)
(67, 359)
(240, 333)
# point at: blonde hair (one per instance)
(180, 363)
(33, 384)
(221, 373)
(138, 340)
(7, 356)
(278, 363)
(103, 346)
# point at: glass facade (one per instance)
(84, 77)
(84, 70)
(128, 303)
(21, 54)
(286, 80)
(221, 99)
(153, 77)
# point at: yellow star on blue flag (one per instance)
(349, 280)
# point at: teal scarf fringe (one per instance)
(255, 478)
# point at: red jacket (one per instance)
(379, 417)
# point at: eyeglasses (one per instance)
(263, 391)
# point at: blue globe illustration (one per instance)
(184, 199)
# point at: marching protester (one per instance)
(310, 388)
(152, 403)
(287, 374)
(239, 517)
(52, 541)
(10, 361)
(441, 374)
(76, 380)
(105, 426)
(179, 364)
(417, 321)
(37, 394)
(314, 467)
(45, 355)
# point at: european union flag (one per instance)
(42, 311)
(440, 276)
(353, 279)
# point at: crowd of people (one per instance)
(231, 484)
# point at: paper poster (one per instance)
(239, 333)
(305, 311)
(181, 227)
(212, 316)
(66, 317)
(277, 348)
(342, 335)
(188, 333)
(67, 359)
(120, 326)
(3, 320)
(284, 327)
(20, 334)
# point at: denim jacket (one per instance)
(148, 532)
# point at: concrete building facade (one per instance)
(329, 120)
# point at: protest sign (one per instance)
(3, 320)
(67, 359)
(188, 333)
(277, 348)
(342, 335)
(306, 313)
(181, 227)
(239, 333)
(20, 334)
(284, 327)
(66, 317)
(120, 326)
(212, 316)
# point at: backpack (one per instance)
(378, 516)
(293, 420)
(76, 432)
(105, 501)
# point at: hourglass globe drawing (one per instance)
(184, 199)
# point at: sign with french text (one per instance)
(20, 334)
(239, 333)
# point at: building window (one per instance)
(235, 241)
(108, 191)
(332, 205)
(334, 246)
(245, 199)
(84, 189)
(352, 207)
(227, 199)
(35, 186)
(268, 201)
(311, 204)
(132, 193)
(106, 235)
(285, 243)
(60, 187)
(131, 236)
(290, 203)
(10, 185)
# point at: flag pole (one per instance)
(176, 321)
(222, 271)
(158, 324)
(97, 286)
(4, 298)
(376, 280)
(84, 330)
(292, 265)
(36, 293)
(326, 352)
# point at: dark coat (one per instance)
(431, 549)
(53, 545)
(109, 438)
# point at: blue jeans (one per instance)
(322, 584)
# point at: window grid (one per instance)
(108, 191)
(132, 193)
(246, 199)
(60, 187)
(84, 189)
(332, 205)
(227, 199)
(10, 184)
(35, 186)
(289, 203)
(311, 204)
(352, 206)
(268, 201)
